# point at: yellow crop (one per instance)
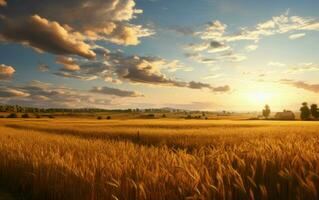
(160, 159)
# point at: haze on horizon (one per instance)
(205, 55)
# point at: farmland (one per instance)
(159, 159)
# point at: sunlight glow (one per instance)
(260, 97)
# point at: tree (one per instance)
(25, 115)
(12, 115)
(314, 111)
(305, 111)
(266, 111)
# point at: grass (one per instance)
(159, 159)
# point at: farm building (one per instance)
(285, 115)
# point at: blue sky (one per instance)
(205, 54)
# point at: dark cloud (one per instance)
(44, 35)
(117, 67)
(115, 92)
(301, 85)
(199, 85)
(42, 94)
(183, 30)
(224, 88)
(216, 44)
(91, 20)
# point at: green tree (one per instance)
(304, 111)
(266, 111)
(314, 111)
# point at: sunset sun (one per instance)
(261, 97)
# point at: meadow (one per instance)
(158, 159)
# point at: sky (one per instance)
(233, 55)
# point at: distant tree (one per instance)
(99, 118)
(108, 117)
(304, 111)
(266, 111)
(25, 115)
(163, 115)
(151, 115)
(12, 115)
(314, 111)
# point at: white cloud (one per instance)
(303, 67)
(276, 64)
(252, 47)
(297, 36)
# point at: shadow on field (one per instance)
(49, 182)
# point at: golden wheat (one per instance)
(147, 159)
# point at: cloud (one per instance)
(199, 85)
(276, 64)
(210, 47)
(117, 67)
(213, 30)
(303, 67)
(42, 94)
(182, 30)
(115, 92)
(252, 47)
(147, 70)
(215, 38)
(43, 68)
(232, 57)
(9, 92)
(277, 25)
(212, 76)
(3, 3)
(227, 56)
(76, 76)
(95, 20)
(120, 34)
(297, 36)
(301, 85)
(200, 58)
(68, 63)
(6, 72)
(44, 35)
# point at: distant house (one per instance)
(285, 115)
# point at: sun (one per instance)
(260, 97)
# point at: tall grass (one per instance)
(222, 161)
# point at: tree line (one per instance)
(23, 109)
(306, 112)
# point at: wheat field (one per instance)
(159, 159)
